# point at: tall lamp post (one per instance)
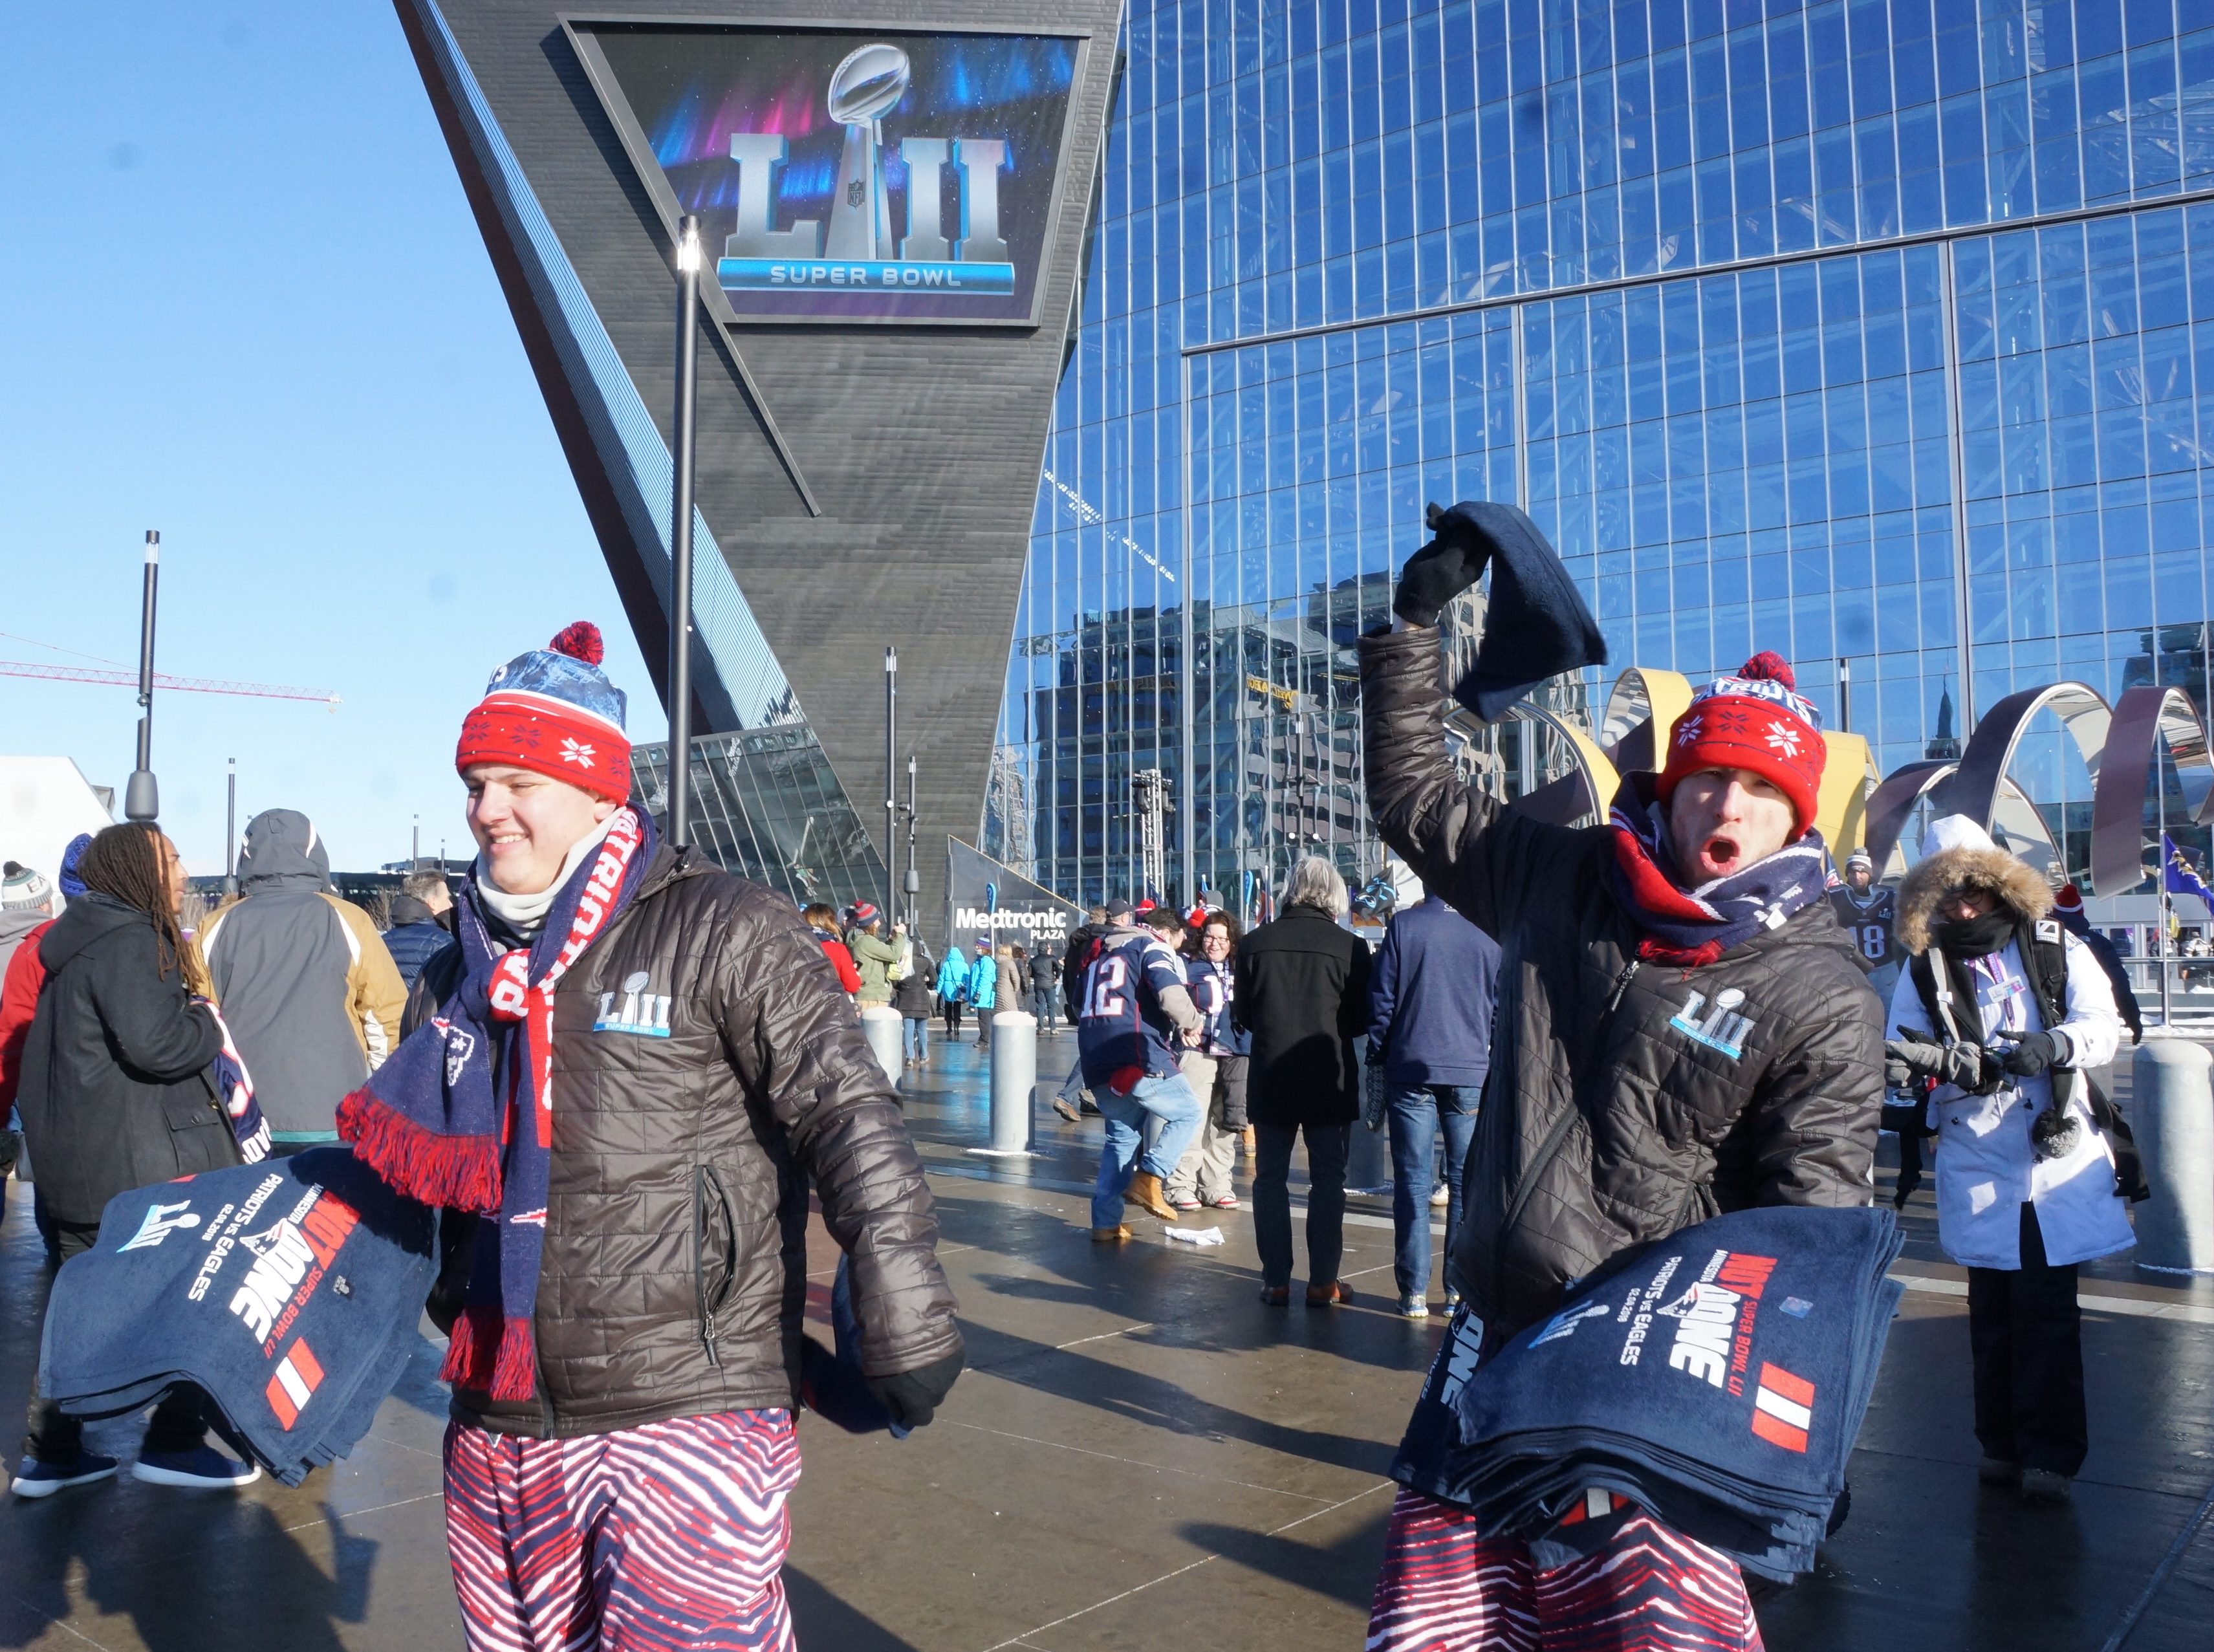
(913, 877)
(142, 799)
(230, 830)
(891, 798)
(680, 534)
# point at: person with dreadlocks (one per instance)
(118, 1092)
(613, 1084)
(1680, 1029)
(2008, 1013)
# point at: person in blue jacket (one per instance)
(984, 989)
(952, 989)
(1429, 1020)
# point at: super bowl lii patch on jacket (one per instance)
(636, 1009)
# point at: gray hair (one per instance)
(1315, 881)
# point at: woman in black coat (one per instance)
(117, 1095)
(1301, 988)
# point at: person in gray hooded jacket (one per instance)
(310, 992)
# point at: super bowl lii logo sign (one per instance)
(857, 248)
(847, 175)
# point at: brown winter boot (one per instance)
(1145, 1192)
(1117, 1235)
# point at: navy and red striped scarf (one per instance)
(1693, 927)
(435, 1125)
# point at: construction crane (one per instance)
(187, 684)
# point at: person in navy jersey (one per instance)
(1430, 1017)
(1216, 1069)
(1137, 1018)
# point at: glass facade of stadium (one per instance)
(1880, 332)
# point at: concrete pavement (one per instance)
(1142, 1456)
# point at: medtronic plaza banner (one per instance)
(843, 175)
(984, 898)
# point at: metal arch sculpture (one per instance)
(2143, 715)
(1640, 708)
(1975, 788)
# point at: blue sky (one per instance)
(246, 304)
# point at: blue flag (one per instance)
(2179, 876)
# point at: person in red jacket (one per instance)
(22, 976)
(823, 920)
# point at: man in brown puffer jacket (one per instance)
(1680, 1028)
(624, 1305)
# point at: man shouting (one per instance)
(1681, 1029)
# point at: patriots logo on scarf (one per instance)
(430, 1124)
(460, 1045)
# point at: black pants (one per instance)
(2026, 1335)
(1327, 1146)
(953, 1008)
(179, 1422)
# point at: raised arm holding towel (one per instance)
(1681, 1027)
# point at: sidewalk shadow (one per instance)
(820, 1618)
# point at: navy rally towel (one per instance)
(291, 1290)
(1717, 1378)
(1746, 1343)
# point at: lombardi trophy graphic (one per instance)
(858, 249)
(863, 88)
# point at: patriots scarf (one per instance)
(1696, 926)
(432, 1124)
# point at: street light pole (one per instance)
(891, 799)
(142, 799)
(913, 876)
(680, 534)
(230, 832)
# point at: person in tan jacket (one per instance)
(311, 995)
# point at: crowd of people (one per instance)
(1579, 1040)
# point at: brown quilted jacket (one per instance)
(675, 1271)
(1624, 1100)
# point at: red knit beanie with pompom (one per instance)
(1757, 721)
(553, 711)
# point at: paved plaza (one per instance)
(1140, 1456)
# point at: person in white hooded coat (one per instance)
(2010, 1014)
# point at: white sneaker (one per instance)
(1441, 1197)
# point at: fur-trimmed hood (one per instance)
(2017, 884)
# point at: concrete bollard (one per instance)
(1014, 1080)
(2172, 1115)
(880, 1025)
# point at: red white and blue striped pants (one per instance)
(663, 1539)
(1650, 1589)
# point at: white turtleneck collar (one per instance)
(526, 914)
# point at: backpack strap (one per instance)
(2044, 950)
(1937, 998)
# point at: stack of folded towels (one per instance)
(1717, 1380)
(291, 1291)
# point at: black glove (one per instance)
(2034, 1052)
(1442, 569)
(913, 1397)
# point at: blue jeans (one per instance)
(1327, 1146)
(1413, 1113)
(1169, 1099)
(915, 1040)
